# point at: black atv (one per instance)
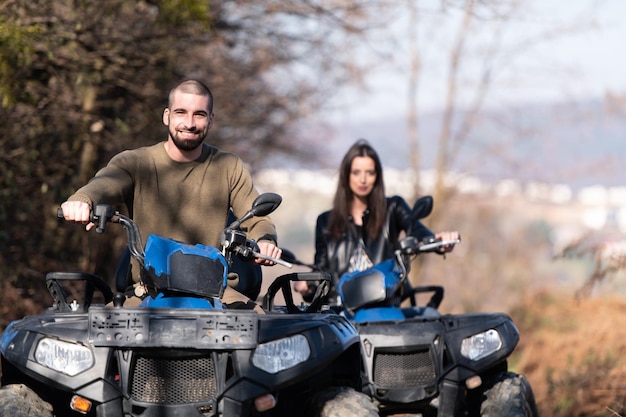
(419, 361)
(180, 352)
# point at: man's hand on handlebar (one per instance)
(267, 248)
(78, 212)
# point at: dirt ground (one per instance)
(573, 352)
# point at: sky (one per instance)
(575, 64)
(581, 61)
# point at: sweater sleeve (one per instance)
(111, 184)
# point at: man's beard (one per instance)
(186, 144)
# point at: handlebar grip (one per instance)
(269, 258)
(284, 263)
(437, 243)
(60, 213)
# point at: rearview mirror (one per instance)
(422, 207)
(263, 205)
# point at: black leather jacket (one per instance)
(334, 256)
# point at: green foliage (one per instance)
(177, 12)
(80, 81)
(17, 46)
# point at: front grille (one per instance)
(403, 369)
(173, 380)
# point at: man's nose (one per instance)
(190, 122)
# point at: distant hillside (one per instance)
(575, 144)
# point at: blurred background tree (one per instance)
(81, 80)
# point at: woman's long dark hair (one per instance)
(376, 202)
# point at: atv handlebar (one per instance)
(233, 241)
(433, 246)
(412, 246)
(236, 242)
(276, 260)
(103, 214)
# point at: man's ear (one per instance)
(166, 116)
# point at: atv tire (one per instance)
(20, 401)
(342, 402)
(510, 396)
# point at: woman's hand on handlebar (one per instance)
(447, 236)
(78, 212)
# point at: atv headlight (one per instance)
(282, 354)
(67, 358)
(480, 345)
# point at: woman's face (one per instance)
(362, 176)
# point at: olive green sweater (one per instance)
(186, 201)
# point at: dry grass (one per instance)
(573, 353)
